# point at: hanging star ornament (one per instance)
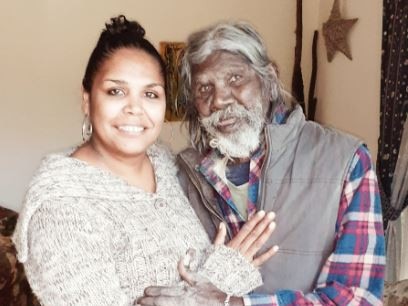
(335, 31)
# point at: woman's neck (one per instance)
(136, 170)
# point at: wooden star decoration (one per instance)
(335, 31)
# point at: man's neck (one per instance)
(240, 160)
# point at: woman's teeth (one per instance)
(131, 128)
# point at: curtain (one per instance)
(394, 98)
(392, 161)
(403, 273)
(396, 233)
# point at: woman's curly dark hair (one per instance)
(118, 33)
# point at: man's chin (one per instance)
(239, 154)
(235, 150)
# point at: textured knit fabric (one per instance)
(87, 237)
(353, 272)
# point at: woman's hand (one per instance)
(251, 237)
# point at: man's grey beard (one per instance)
(242, 142)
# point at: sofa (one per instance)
(15, 290)
(396, 294)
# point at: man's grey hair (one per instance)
(237, 38)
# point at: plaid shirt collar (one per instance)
(225, 202)
(207, 167)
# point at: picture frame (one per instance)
(172, 53)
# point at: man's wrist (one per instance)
(227, 300)
(236, 301)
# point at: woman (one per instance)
(103, 222)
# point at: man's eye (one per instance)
(234, 78)
(116, 92)
(205, 88)
(151, 95)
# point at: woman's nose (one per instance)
(134, 106)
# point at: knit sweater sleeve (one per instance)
(69, 260)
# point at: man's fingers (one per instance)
(222, 232)
(158, 301)
(258, 261)
(145, 301)
(246, 230)
(185, 275)
(164, 290)
(257, 237)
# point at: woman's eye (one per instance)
(151, 95)
(116, 92)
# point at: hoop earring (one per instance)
(86, 128)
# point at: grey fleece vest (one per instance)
(302, 182)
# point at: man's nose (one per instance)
(222, 98)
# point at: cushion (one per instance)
(396, 294)
(14, 288)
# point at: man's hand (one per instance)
(198, 292)
(252, 237)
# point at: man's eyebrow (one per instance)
(237, 68)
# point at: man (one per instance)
(253, 150)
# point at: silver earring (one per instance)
(86, 128)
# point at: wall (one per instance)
(349, 91)
(45, 45)
(44, 48)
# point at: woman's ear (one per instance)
(85, 102)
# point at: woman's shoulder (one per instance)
(55, 171)
(44, 197)
(54, 181)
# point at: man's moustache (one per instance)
(214, 118)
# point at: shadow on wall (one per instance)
(175, 136)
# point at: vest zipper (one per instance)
(261, 187)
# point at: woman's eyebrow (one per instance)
(115, 81)
(155, 85)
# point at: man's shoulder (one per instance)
(331, 135)
(189, 150)
(190, 155)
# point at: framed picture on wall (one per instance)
(172, 53)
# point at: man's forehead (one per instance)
(219, 63)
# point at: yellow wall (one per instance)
(44, 47)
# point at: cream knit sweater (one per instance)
(86, 237)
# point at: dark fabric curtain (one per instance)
(394, 98)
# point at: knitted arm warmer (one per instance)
(228, 270)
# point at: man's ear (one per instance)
(274, 90)
(85, 102)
